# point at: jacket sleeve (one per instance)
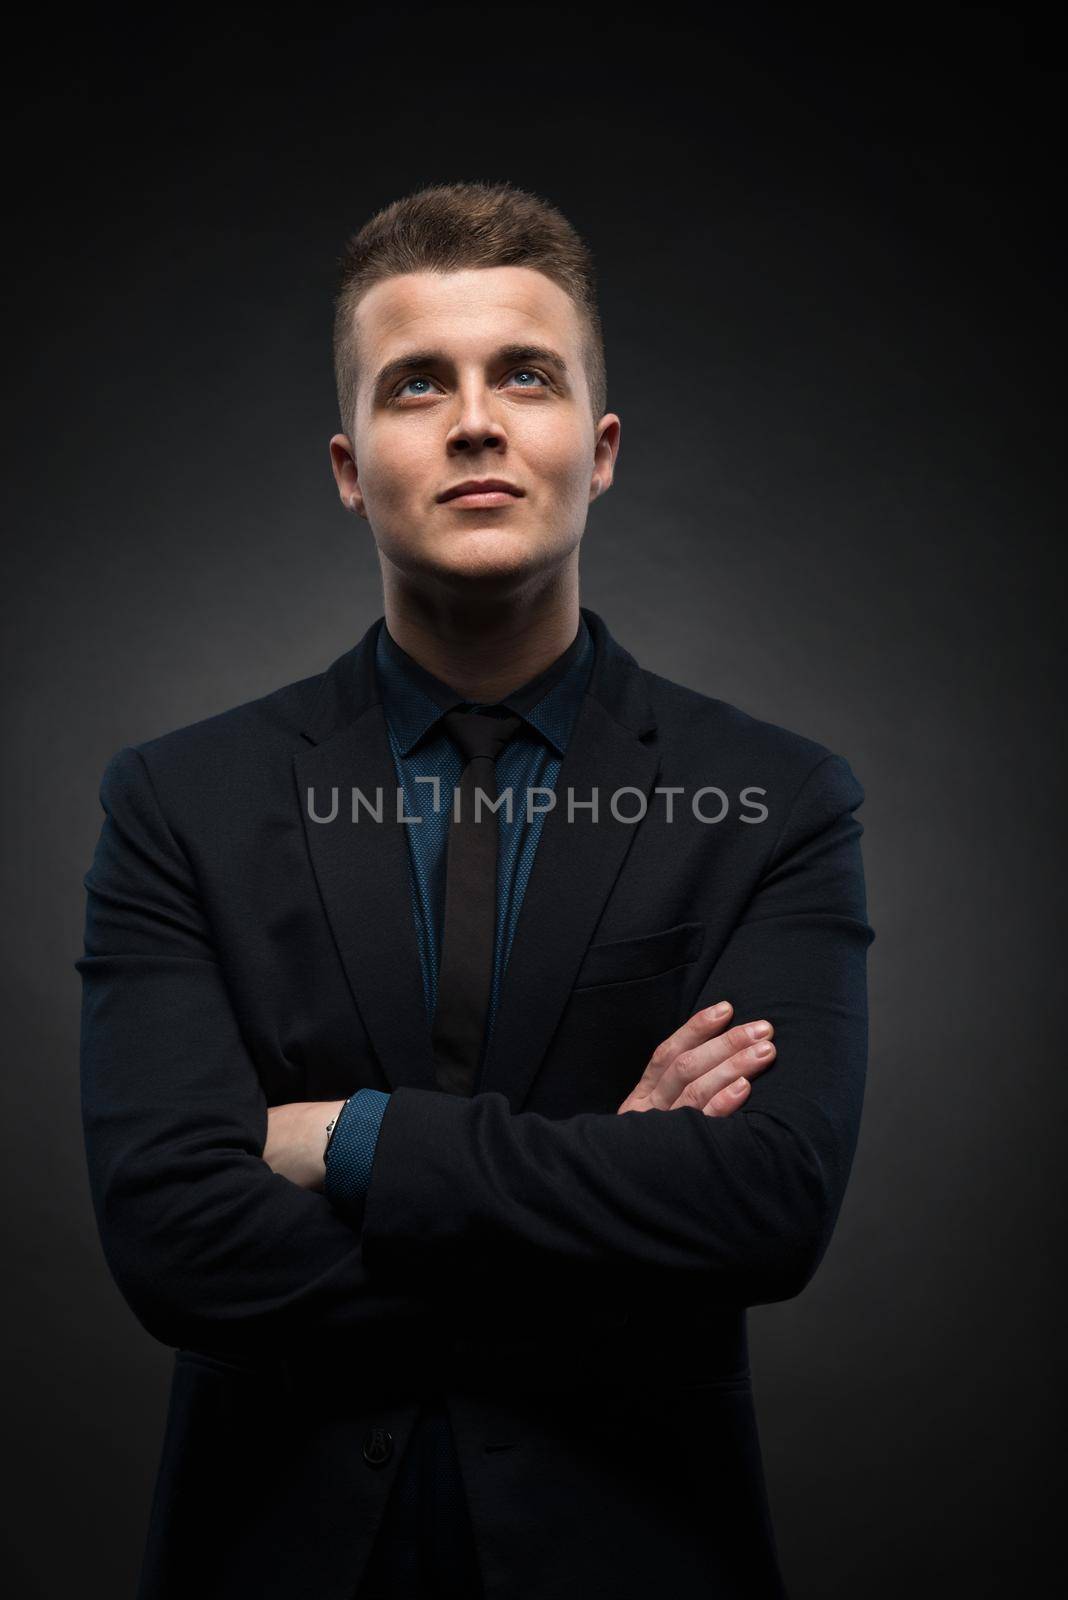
(736, 1209)
(210, 1248)
(350, 1153)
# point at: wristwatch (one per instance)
(331, 1127)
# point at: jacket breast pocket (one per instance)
(648, 955)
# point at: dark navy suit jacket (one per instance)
(523, 1250)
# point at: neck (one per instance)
(483, 644)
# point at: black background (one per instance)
(829, 259)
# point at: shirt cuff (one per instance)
(352, 1148)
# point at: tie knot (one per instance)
(479, 734)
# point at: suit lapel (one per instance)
(576, 863)
(362, 868)
(574, 870)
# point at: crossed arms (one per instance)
(215, 1250)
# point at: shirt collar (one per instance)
(414, 699)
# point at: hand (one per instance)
(701, 1066)
(296, 1140)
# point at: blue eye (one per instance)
(530, 372)
(407, 381)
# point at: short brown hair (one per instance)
(452, 226)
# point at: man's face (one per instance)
(492, 385)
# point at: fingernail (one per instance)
(740, 1087)
(762, 1050)
(760, 1030)
(720, 1010)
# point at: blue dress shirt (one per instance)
(414, 702)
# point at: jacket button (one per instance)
(378, 1447)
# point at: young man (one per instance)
(377, 969)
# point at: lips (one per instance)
(480, 486)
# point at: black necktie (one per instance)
(466, 967)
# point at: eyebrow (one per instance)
(418, 360)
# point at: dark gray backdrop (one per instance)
(833, 337)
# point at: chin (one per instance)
(495, 567)
(490, 553)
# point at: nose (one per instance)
(477, 425)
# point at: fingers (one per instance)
(704, 1064)
(721, 1102)
(704, 1069)
(697, 1029)
(727, 1100)
(724, 1088)
(702, 1026)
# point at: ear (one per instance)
(346, 473)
